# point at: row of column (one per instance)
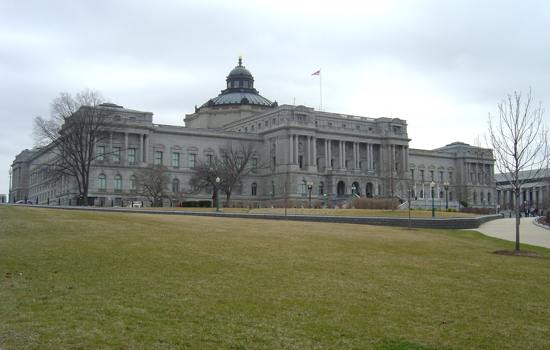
(311, 152)
(143, 146)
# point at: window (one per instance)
(131, 156)
(254, 162)
(432, 175)
(209, 159)
(102, 182)
(272, 188)
(191, 160)
(422, 175)
(158, 158)
(441, 176)
(175, 186)
(300, 161)
(254, 189)
(118, 182)
(321, 188)
(176, 160)
(116, 155)
(274, 163)
(450, 176)
(412, 174)
(100, 153)
(133, 183)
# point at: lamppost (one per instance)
(309, 188)
(410, 189)
(432, 186)
(9, 191)
(217, 193)
(446, 186)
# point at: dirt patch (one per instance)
(524, 253)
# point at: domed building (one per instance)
(238, 100)
(298, 152)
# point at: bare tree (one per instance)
(232, 164)
(152, 182)
(76, 125)
(519, 139)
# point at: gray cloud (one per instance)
(441, 65)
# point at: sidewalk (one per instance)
(506, 229)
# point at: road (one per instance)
(506, 229)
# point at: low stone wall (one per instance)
(445, 223)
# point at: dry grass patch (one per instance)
(111, 280)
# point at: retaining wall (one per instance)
(449, 223)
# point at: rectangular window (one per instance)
(432, 175)
(100, 153)
(422, 175)
(158, 158)
(441, 176)
(274, 162)
(209, 159)
(412, 174)
(116, 155)
(450, 177)
(191, 160)
(131, 156)
(300, 161)
(176, 160)
(254, 162)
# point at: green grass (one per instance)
(92, 280)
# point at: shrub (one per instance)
(481, 211)
(196, 204)
(375, 203)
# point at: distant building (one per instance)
(3, 198)
(535, 190)
(341, 155)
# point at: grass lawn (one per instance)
(92, 280)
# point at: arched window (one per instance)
(254, 189)
(118, 182)
(133, 182)
(175, 186)
(102, 181)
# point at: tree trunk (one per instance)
(227, 198)
(517, 220)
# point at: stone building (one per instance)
(340, 155)
(535, 190)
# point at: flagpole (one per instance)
(320, 91)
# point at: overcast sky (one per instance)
(440, 65)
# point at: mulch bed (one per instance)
(524, 253)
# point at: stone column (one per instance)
(329, 148)
(314, 155)
(296, 143)
(308, 153)
(126, 148)
(291, 149)
(146, 153)
(111, 144)
(141, 148)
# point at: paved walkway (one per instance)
(506, 229)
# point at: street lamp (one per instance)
(432, 186)
(217, 193)
(309, 188)
(446, 186)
